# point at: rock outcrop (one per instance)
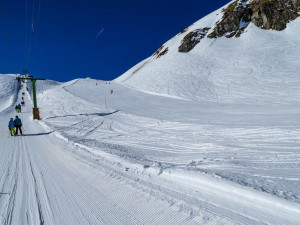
(161, 51)
(192, 39)
(236, 17)
(274, 14)
(266, 14)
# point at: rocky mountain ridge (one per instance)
(265, 14)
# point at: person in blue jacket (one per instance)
(18, 125)
(20, 108)
(11, 127)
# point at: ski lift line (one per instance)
(7, 37)
(36, 8)
(30, 39)
(26, 19)
(33, 9)
(38, 15)
(37, 26)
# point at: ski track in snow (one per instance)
(143, 163)
(45, 180)
(203, 169)
(251, 151)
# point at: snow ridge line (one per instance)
(70, 83)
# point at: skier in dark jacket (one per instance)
(18, 125)
(20, 108)
(11, 127)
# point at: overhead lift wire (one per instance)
(37, 26)
(34, 29)
(30, 38)
(26, 29)
(7, 38)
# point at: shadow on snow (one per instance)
(85, 114)
(38, 134)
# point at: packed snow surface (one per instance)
(104, 153)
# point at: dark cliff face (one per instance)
(236, 18)
(266, 14)
(192, 39)
(274, 14)
(160, 52)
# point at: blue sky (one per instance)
(90, 38)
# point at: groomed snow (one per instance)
(130, 156)
(47, 180)
(230, 160)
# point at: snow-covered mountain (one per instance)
(247, 51)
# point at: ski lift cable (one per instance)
(36, 8)
(30, 38)
(37, 26)
(26, 28)
(7, 37)
(33, 10)
(38, 15)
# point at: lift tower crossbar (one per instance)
(33, 80)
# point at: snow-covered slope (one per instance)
(261, 66)
(99, 157)
(190, 147)
(42, 85)
(8, 89)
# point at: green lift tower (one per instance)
(33, 80)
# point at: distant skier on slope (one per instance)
(17, 109)
(11, 127)
(20, 108)
(18, 125)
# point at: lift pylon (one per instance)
(33, 80)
